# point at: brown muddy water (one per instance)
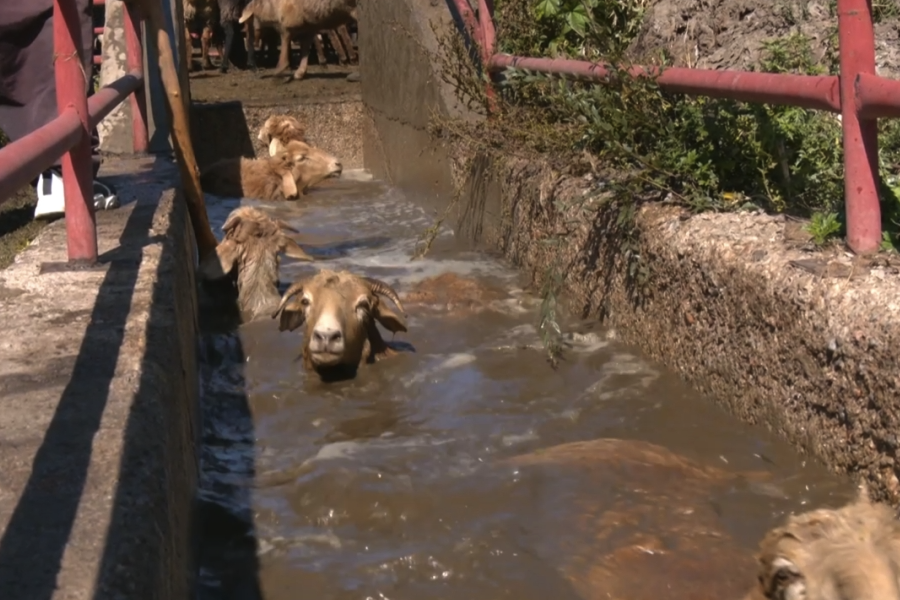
(393, 486)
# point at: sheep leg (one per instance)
(284, 57)
(189, 45)
(228, 26)
(257, 33)
(205, 39)
(251, 44)
(348, 43)
(305, 47)
(320, 50)
(338, 47)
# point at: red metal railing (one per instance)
(858, 94)
(68, 135)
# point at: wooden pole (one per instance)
(181, 133)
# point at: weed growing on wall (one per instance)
(707, 154)
(702, 153)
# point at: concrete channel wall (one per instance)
(99, 393)
(804, 344)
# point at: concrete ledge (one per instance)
(98, 389)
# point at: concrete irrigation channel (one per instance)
(151, 449)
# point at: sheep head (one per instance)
(309, 164)
(850, 553)
(280, 130)
(339, 311)
(252, 244)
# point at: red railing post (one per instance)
(71, 92)
(857, 57)
(488, 43)
(134, 58)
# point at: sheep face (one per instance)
(251, 246)
(339, 311)
(850, 553)
(310, 165)
(280, 128)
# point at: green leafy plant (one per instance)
(650, 145)
(823, 227)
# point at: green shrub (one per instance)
(705, 153)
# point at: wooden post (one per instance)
(181, 133)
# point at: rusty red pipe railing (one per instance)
(877, 97)
(134, 63)
(68, 135)
(21, 162)
(71, 94)
(819, 92)
(858, 95)
(856, 37)
(107, 98)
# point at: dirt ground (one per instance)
(728, 34)
(17, 224)
(261, 88)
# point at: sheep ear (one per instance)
(389, 319)
(218, 264)
(288, 185)
(293, 249)
(248, 12)
(292, 316)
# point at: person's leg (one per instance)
(28, 97)
(27, 86)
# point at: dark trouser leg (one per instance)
(27, 87)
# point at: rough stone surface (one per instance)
(400, 92)
(115, 128)
(98, 388)
(729, 34)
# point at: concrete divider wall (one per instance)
(99, 391)
(400, 90)
(805, 344)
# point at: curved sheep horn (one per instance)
(292, 291)
(380, 287)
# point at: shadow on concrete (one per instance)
(228, 564)
(39, 529)
(219, 131)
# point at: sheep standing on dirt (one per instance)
(300, 18)
(251, 245)
(229, 13)
(340, 40)
(340, 310)
(849, 553)
(279, 130)
(285, 176)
